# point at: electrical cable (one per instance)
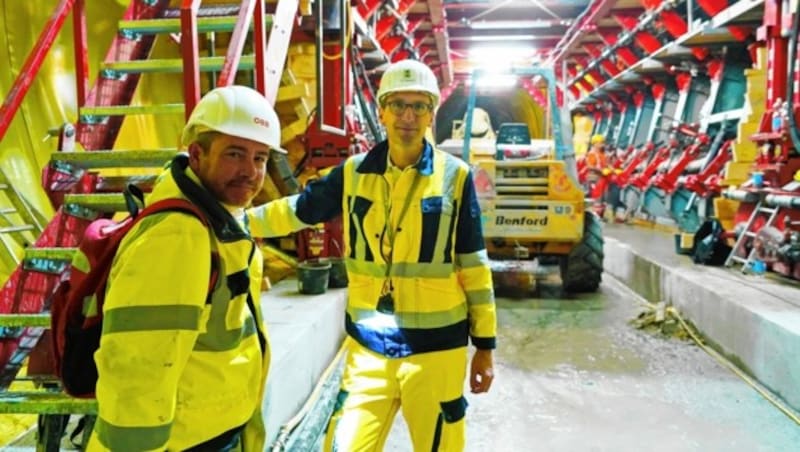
(758, 387)
(287, 428)
(369, 113)
(779, 404)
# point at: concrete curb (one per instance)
(305, 333)
(751, 320)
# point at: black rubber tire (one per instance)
(582, 268)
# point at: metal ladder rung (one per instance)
(60, 254)
(99, 202)
(739, 259)
(120, 183)
(207, 64)
(204, 24)
(116, 159)
(757, 210)
(121, 110)
(13, 320)
(21, 228)
(44, 402)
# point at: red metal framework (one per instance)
(28, 288)
(191, 55)
(33, 63)
(111, 88)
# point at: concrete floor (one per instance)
(574, 375)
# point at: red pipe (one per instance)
(191, 55)
(259, 46)
(81, 46)
(236, 44)
(32, 65)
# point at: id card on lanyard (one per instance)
(385, 304)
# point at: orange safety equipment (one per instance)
(596, 159)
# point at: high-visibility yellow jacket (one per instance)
(179, 365)
(440, 274)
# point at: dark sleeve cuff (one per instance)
(321, 200)
(484, 343)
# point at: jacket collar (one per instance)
(226, 228)
(375, 160)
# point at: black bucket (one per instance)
(312, 276)
(338, 274)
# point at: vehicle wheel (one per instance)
(582, 268)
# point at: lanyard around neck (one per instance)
(392, 231)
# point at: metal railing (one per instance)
(33, 63)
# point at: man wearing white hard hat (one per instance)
(420, 286)
(182, 364)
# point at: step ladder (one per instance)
(84, 186)
(759, 210)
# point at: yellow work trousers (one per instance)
(429, 387)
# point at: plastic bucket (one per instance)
(312, 277)
(338, 274)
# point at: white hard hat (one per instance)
(409, 75)
(237, 111)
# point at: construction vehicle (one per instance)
(481, 134)
(535, 209)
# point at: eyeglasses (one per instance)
(398, 107)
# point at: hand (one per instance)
(481, 371)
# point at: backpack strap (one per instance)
(186, 206)
(173, 204)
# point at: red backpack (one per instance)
(76, 335)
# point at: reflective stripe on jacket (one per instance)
(440, 272)
(175, 368)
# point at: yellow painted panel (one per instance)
(582, 130)
(736, 173)
(725, 210)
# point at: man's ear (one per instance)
(194, 151)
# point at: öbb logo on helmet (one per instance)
(237, 111)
